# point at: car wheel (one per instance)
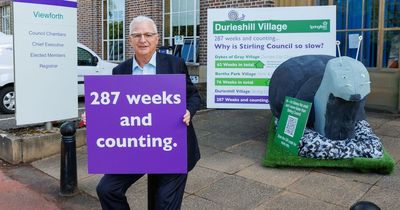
(7, 99)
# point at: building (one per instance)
(104, 24)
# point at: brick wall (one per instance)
(205, 4)
(150, 8)
(90, 19)
(89, 24)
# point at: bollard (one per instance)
(68, 170)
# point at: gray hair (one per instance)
(141, 19)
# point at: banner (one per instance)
(246, 45)
(135, 124)
(45, 60)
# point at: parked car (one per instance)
(89, 63)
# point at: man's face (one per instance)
(143, 40)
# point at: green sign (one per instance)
(242, 81)
(271, 26)
(239, 64)
(292, 123)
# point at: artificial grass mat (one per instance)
(277, 156)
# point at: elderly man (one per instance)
(169, 188)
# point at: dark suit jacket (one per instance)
(168, 64)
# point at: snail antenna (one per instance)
(338, 48)
(360, 38)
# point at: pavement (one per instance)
(228, 176)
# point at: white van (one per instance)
(88, 64)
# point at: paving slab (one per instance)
(226, 162)
(220, 141)
(288, 200)
(392, 145)
(89, 184)
(200, 178)
(212, 122)
(238, 193)
(200, 133)
(351, 175)
(216, 121)
(193, 202)
(52, 164)
(278, 177)
(262, 137)
(376, 121)
(330, 189)
(251, 149)
(384, 198)
(82, 164)
(393, 122)
(206, 151)
(239, 128)
(388, 130)
(137, 194)
(391, 181)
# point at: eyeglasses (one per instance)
(145, 35)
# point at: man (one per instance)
(168, 188)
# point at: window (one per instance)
(5, 19)
(354, 19)
(182, 18)
(378, 21)
(391, 35)
(85, 58)
(113, 30)
(391, 49)
(381, 39)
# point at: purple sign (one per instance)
(232, 99)
(64, 3)
(134, 124)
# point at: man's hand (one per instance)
(186, 117)
(83, 116)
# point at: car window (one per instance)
(85, 58)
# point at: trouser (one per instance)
(168, 190)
